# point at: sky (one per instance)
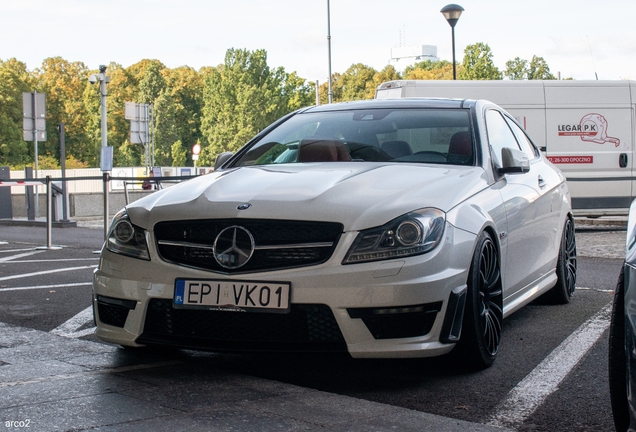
(578, 39)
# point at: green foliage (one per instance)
(179, 154)
(127, 154)
(357, 82)
(337, 84)
(152, 83)
(516, 69)
(539, 70)
(478, 64)
(72, 163)
(186, 89)
(387, 74)
(430, 70)
(221, 107)
(243, 96)
(14, 79)
(48, 162)
(427, 65)
(63, 82)
(166, 131)
(536, 69)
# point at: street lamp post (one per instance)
(452, 12)
(330, 91)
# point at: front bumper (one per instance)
(385, 309)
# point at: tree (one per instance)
(539, 70)
(166, 131)
(357, 82)
(14, 79)
(478, 64)
(186, 89)
(536, 69)
(122, 88)
(296, 93)
(243, 96)
(63, 82)
(516, 69)
(337, 84)
(429, 70)
(152, 84)
(387, 74)
(127, 155)
(179, 154)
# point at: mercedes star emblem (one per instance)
(233, 247)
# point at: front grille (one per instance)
(304, 328)
(278, 243)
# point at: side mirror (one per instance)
(514, 161)
(221, 159)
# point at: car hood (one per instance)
(358, 195)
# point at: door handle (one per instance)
(622, 160)
(542, 182)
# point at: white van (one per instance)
(586, 128)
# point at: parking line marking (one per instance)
(13, 257)
(16, 250)
(46, 286)
(46, 272)
(50, 260)
(544, 380)
(595, 289)
(71, 326)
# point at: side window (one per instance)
(526, 145)
(499, 135)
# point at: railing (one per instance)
(105, 178)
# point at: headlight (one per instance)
(412, 234)
(127, 239)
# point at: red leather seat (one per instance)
(322, 150)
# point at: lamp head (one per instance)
(452, 12)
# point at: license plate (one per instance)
(236, 296)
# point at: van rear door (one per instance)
(589, 135)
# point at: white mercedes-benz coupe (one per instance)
(383, 228)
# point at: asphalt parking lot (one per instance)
(55, 376)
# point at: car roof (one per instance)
(439, 103)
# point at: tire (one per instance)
(618, 359)
(483, 315)
(563, 290)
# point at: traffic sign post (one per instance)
(140, 116)
(34, 127)
(196, 149)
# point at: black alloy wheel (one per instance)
(563, 290)
(617, 360)
(483, 318)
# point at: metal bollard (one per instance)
(106, 180)
(49, 218)
(49, 204)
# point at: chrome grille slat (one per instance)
(257, 247)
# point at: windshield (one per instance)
(440, 136)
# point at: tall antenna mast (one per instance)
(592, 55)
